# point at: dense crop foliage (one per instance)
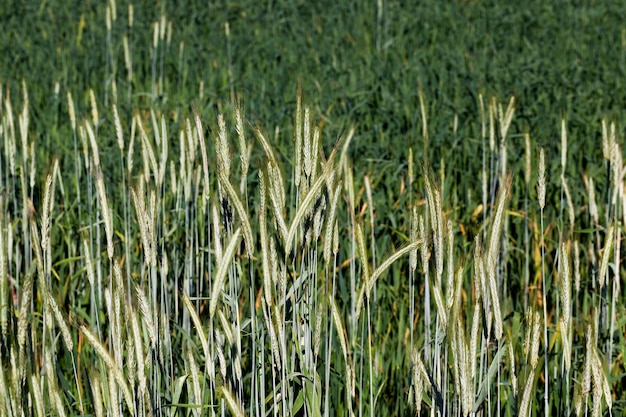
(311, 209)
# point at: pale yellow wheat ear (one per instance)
(524, 409)
(147, 313)
(527, 158)
(37, 395)
(138, 199)
(606, 254)
(331, 222)
(118, 129)
(138, 345)
(164, 150)
(191, 309)
(242, 213)
(570, 204)
(306, 148)
(222, 149)
(232, 402)
(534, 341)
(92, 143)
(71, 111)
(147, 151)
(567, 346)
(304, 207)
(450, 266)
(577, 277)
(432, 210)
(423, 112)
(48, 204)
(113, 367)
(277, 197)
(541, 181)
(106, 212)
(23, 120)
(195, 377)
(506, 118)
(244, 149)
(265, 259)
(474, 339)
(362, 249)
(369, 283)
(275, 184)
(10, 132)
(492, 252)
(58, 317)
(343, 342)
(94, 108)
(222, 270)
(131, 145)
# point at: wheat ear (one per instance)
(222, 270)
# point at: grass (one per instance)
(244, 210)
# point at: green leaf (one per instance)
(489, 378)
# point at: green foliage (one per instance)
(303, 285)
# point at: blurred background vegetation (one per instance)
(358, 64)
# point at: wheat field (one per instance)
(183, 261)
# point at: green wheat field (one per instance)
(294, 208)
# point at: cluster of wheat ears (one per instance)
(189, 283)
(187, 297)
